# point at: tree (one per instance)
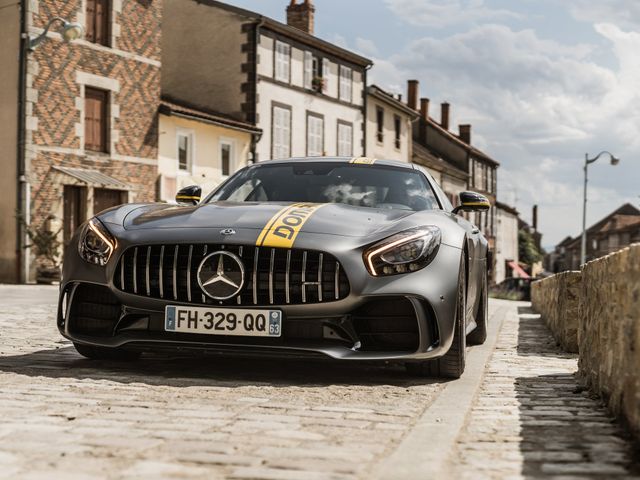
(527, 250)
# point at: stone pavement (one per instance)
(221, 417)
(531, 419)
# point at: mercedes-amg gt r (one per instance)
(355, 259)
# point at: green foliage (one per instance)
(527, 250)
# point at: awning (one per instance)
(94, 178)
(518, 270)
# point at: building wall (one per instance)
(58, 74)
(206, 170)
(9, 79)
(506, 243)
(203, 52)
(387, 148)
(302, 101)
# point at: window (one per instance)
(326, 69)
(397, 127)
(345, 139)
(225, 157)
(283, 61)
(281, 131)
(308, 70)
(315, 135)
(185, 151)
(379, 124)
(346, 80)
(96, 122)
(97, 21)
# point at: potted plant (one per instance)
(317, 83)
(46, 247)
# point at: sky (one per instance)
(543, 82)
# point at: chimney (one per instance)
(424, 109)
(444, 116)
(301, 15)
(465, 133)
(412, 94)
(535, 218)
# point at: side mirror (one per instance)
(188, 196)
(472, 202)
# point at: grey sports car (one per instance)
(355, 259)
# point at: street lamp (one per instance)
(70, 31)
(587, 161)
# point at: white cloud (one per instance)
(444, 13)
(624, 13)
(537, 106)
(366, 46)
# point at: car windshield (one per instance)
(374, 186)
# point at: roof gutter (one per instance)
(23, 216)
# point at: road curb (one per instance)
(427, 448)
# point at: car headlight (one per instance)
(403, 252)
(96, 243)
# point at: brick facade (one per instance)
(57, 75)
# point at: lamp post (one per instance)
(587, 162)
(70, 31)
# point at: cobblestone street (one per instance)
(62, 416)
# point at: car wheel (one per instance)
(452, 363)
(104, 353)
(479, 335)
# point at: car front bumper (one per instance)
(401, 317)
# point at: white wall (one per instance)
(387, 149)
(325, 104)
(206, 169)
(506, 242)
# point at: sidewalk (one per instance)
(531, 419)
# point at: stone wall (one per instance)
(609, 333)
(602, 302)
(557, 299)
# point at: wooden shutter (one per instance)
(95, 119)
(97, 21)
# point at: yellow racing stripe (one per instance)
(283, 228)
(363, 161)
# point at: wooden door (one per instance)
(75, 208)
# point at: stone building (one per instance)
(87, 135)
(614, 232)
(199, 147)
(389, 126)
(307, 95)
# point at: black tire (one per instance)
(452, 363)
(103, 353)
(479, 335)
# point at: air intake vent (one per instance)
(273, 276)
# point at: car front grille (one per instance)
(273, 276)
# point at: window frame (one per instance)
(342, 80)
(276, 55)
(281, 106)
(320, 117)
(343, 123)
(191, 149)
(379, 125)
(105, 96)
(228, 142)
(91, 22)
(397, 132)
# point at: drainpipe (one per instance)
(255, 138)
(364, 110)
(22, 201)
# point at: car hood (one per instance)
(337, 219)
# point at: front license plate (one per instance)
(223, 321)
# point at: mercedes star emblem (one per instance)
(221, 275)
(228, 231)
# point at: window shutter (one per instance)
(326, 75)
(100, 33)
(95, 118)
(308, 70)
(90, 34)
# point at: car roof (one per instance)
(347, 160)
